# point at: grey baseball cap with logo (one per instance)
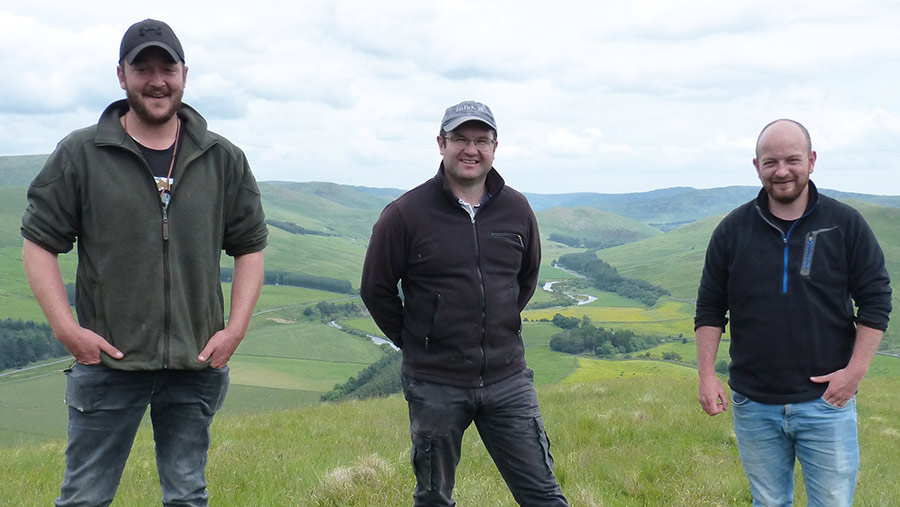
(467, 111)
(147, 33)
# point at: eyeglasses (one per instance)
(482, 143)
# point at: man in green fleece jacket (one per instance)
(152, 198)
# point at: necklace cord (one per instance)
(168, 186)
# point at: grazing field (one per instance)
(668, 318)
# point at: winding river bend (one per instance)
(580, 299)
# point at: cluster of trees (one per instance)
(381, 378)
(605, 277)
(24, 342)
(293, 228)
(613, 238)
(582, 337)
(558, 298)
(333, 311)
(278, 277)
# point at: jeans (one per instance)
(822, 437)
(105, 409)
(509, 421)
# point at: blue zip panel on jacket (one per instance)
(784, 283)
(784, 241)
(784, 276)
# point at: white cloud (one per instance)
(588, 96)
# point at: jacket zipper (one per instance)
(167, 270)
(483, 309)
(167, 288)
(784, 242)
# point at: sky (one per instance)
(608, 97)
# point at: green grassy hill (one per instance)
(675, 260)
(287, 360)
(672, 260)
(622, 434)
(19, 170)
(593, 224)
(326, 207)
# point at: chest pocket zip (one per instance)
(515, 235)
(809, 249)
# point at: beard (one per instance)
(789, 196)
(136, 103)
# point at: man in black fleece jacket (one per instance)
(787, 268)
(466, 250)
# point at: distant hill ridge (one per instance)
(663, 209)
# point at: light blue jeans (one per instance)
(105, 409)
(822, 437)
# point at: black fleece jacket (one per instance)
(790, 294)
(464, 280)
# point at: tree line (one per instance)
(24, 342)
(333, 311)
(579, 336)
(605, 277)
(279, 277)
(381, 378)
(293, 228)
(614, 237)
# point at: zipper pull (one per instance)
(426, 343)
(165, 196)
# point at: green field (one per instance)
(277, 366)
(622, 434)
(667, 318)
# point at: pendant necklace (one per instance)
(165, 189)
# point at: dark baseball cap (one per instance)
(146, 33)
(467, 111)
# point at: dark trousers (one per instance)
(509, 421)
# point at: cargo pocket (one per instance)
(421, 460)
(87, 387)
(544, 441)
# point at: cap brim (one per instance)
(140, 47)
(456, 122)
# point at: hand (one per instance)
(220, 348)
(86, 346)
(712, 396)
(842, 385)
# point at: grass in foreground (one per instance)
(621, 441)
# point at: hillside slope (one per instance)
(675, 260)
(19, 170)
(591, 224)
(619, 437)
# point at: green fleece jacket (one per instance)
(147, 281)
